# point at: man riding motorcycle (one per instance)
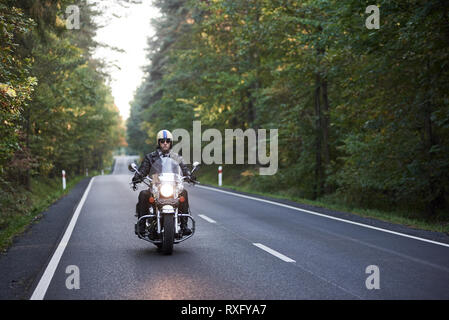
(165, 143)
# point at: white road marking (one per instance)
(326, 216)
(207, 218)
(44, 282)
(274, 253)
(115, 166)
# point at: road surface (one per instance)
(243, 248)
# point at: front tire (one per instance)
(168, 235)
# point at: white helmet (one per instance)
(165, 134)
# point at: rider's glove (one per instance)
(136, 179)
(191, 179)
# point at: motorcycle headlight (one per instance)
(167, 190)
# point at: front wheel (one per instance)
(168, 235)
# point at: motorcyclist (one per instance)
(165, 143)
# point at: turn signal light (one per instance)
(151, 199)
(181, 199)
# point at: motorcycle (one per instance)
(162, 225)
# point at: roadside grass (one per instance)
(20, 208)
(234, 180)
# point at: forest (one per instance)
(57, 112)
(362, 113)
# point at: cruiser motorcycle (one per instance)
(162, 223)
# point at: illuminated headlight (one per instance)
(166, 190)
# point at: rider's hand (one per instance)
(136, 179)
(191, 179)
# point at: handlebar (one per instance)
(190, 181)
(133, 167)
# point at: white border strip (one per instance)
(274, 253)
(44, 282)
(207, 218)
(326, 216)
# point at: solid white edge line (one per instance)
(44, 282)
(327, 216)
(274, 253)
(207, 218)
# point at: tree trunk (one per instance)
(429, 142)
(27, 177)
(325, 127)
(318, 135)
(254, 62)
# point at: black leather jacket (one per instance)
(150, 158)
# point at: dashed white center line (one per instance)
(259, 245)
(274, 253)
(207, 218)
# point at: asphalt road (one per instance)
(242, 249)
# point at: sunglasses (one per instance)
(164, 140)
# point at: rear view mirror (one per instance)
(132, 167)
(196, 165)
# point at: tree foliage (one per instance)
(57, 111)
(363, 114)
